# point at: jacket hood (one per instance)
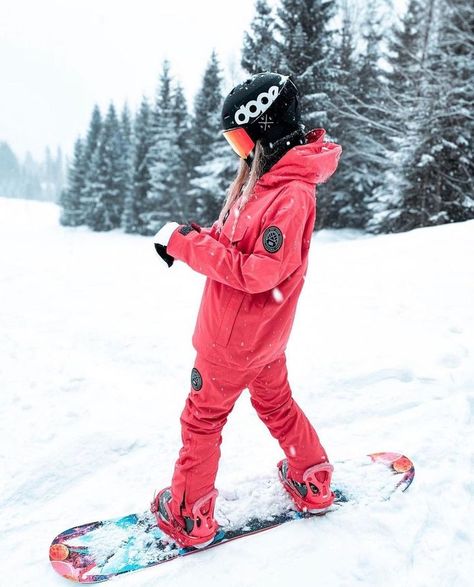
(313, 162)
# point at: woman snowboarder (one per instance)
(255, 258)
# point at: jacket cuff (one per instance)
(179, 238)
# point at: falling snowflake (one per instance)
(277, 295)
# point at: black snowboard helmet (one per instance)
(264, 107)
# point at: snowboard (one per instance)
(99, 551)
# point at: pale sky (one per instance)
(57, 58)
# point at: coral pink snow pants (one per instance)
(215, 389)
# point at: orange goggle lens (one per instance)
(240, 141)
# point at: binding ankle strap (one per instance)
(310, 476)
(203, 510)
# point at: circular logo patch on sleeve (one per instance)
(272, 239)
(196, 379)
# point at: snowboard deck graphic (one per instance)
(99, 551)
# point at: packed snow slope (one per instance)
(95, 362)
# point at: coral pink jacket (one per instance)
(256, 265)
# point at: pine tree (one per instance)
(402, 83)
(70, 196)
(360, 113)
(211, 163)
(10, 172)
(431, 180)
(207, 109)
(58, 172)
(404, 50)
(259, 52)
(47, 176)
(305, 51)
(164, 199)
(339, 205)
(136, 202)
(439, 182)
(126, 140)
(107, 177)
(453, 66)
(90, 147)
(185, 142)
(135, 199)
(371, 139)
(30, 184)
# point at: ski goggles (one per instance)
(240, 141)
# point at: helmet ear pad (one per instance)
(273, 152)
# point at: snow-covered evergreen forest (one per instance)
(30, 179)
(395, 90)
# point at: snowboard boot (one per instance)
(314, 494)
(197, 530)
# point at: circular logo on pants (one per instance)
(272, 239)
(196, 379)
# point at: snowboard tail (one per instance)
(98, 551)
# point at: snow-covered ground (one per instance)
(95, 360)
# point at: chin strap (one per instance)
(250, 158)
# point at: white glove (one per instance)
(163, 236)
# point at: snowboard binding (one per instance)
(314, 494)
(197, 530)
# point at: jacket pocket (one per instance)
(232, 238)
(229, 316)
